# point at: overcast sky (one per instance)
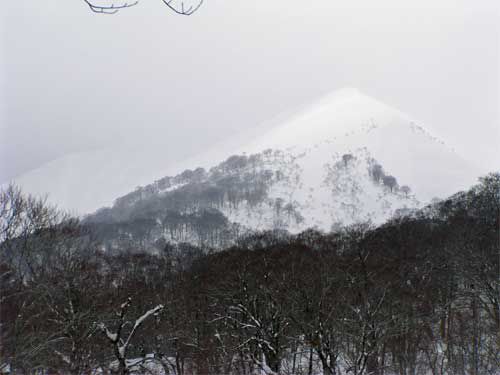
(73, 80)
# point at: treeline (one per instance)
(418, 295)
(192, 206)
(237, 179)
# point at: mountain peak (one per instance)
(341, 94)
(332, 116)
(338, 123)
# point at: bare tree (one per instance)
(120, 340)
(21, 215)
(377, 172)
(406, 190)
(390, 182)
(41, 259)
(346, 158)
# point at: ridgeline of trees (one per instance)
(417, 295)
(190, 206)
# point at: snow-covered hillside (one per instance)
(310, 145)
(345, 159)
(307, 192)
(347, 120)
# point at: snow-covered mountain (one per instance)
(348, 120)
(327, 164)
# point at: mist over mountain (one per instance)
(344, 122)
(190, 187)
(344, 159)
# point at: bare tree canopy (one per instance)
(110, 7)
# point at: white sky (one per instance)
(72, 80)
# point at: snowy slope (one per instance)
(344, 122)
(347, 120)
(315, 169)
(83, 182)
(307, 192)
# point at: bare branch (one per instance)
(119, 343)
(182, 10)
(109, 9)
(176, 6)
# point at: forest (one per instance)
(419, 294)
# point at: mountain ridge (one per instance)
(339, 122)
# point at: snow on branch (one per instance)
(117, 339)
(138, 323)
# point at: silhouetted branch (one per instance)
(174, 5)
(182, 10)
(109, 9)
